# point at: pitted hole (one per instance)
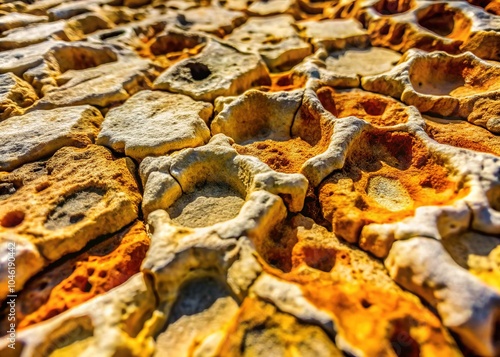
(374, 107)
(12, 219)
(199, 71)
(493, 196)
(74, 208)
(393, 7)
(365, 303)
(207, 205)
(111, 34)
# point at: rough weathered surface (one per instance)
(153, 123)
(334, 34)
(317, 178)
(61, 204)
(94, 272)
(363, 62)
(15, 95)
(40, 133)
(452, 86)
(454, 26)
(219, 70)
(275, 38)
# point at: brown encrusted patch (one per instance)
(374, 108)
(89, 274)
(387, 175)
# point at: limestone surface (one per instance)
(275, 38)
(461, 85)
(334, 34)
(15, 95)
(153, 123)
(219, 70)
(40, 133)
(204, 178)
(61, 204)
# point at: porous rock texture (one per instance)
(249, 178)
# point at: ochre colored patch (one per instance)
(387, 175)
(463, 135)
(289, 156)
(374, 108)
(371, 311)
(103, 267)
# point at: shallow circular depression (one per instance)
(209, 204)
(451, 76)
(444, 21)
(387, 175)
(374, 108)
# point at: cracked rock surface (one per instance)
(287, 178)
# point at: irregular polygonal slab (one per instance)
(211, 19)
(38, 33)
(218, 70)
(201, 186)
(461, 85)
(15, 95)
(375, 109)
(465, 304)
(93, 272)
(273, 7)
(74, 8)
(371, 314)
(274, 38)
(67, 201)
(462, 134)
(101, 86)
(363, 62)
(260, 328)
(118, 322)
(19, 60)
(40, 133)
(15, 19)
(334, 34)
(156, 123)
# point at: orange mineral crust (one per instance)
(289, 155)
(80, 278)
(376, 109)
(371, 311)
(463, 135)
(386, 176)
